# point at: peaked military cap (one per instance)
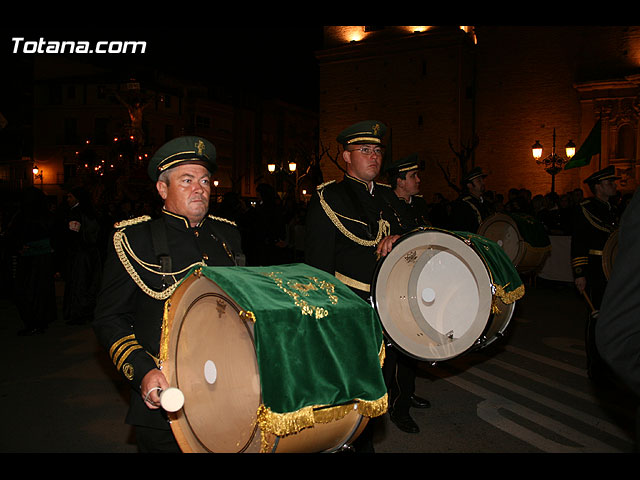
(473, 173)
(181, 150)
(369, 131)
(608, 173)
(403, 165)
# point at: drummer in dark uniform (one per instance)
(470, 209)
(350, 223)
(412, 209)
(146, 260)
(594, 221)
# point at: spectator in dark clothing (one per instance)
(267, 229)
(30, 236)
(82, 268)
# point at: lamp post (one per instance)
(279, 169)
(553, 163)
(37, 173)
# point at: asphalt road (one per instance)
(527, 393)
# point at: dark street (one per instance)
(527, 393)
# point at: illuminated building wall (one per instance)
(510, 85)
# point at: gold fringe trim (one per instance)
(283, 424)
(509, 297)
(164, 336)
(247, 315)
(546, 248)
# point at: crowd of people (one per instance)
(272, 229)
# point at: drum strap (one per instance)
(161, 248)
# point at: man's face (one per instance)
(411, 184)
(188, 192)
(363, 166)
(608, 188)
(477, 186)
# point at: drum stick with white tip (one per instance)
(171, 399)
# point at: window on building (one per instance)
(70, 131)
(625, 148)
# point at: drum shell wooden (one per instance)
(503, 230)
(205, 328)
(469, 315)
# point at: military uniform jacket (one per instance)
(345, 223)
(594, 220)
(130, 306)
(467, 213)
(618, 329)
(413, 214)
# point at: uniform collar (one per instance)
(179, 220)
(358, 182)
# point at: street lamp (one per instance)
(37, 173)
(553, 163)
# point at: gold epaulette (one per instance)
(132, 221)
(222, 219)
(378, 184)
(320, 187)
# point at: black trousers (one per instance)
(400, 378)
(155, 440)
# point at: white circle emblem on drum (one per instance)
(210, 372)
(433, 295)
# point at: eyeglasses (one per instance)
(369, 150)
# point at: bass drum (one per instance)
(503, 230)
(211, 358)
(434, 296)
(609, 253)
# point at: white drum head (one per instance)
(433, 295)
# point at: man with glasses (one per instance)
(350, 224)
(594, 221)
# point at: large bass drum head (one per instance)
(212, 360)
(503, 230)
(433, 295)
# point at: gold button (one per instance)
(205, 256)
(196, 233)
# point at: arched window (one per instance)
(625, 147)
